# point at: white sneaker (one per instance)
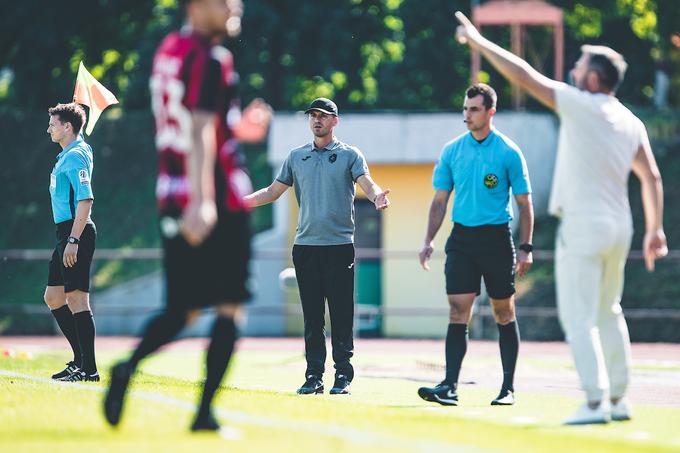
(621, 411)
(587, 416)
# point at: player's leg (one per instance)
(508, 342)
(463, 280)
(308, 270)
(578, 279)
(222, 342)
(613, 328)
(55, 298)
(77, 289)
(498, 269)
(339, 281)
(79, 303)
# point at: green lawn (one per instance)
(263, 413)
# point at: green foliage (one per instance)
(366, 54)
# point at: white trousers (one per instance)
(591, 253)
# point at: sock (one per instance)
(456, 347)
(67, 324)
(84, 322)
(508, 340)
(221, 347)
(158, 332)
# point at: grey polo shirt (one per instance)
(324, 187)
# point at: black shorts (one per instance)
(78, 276)
(483, 251)
(215, 272)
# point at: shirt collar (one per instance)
(487, 141)
(330, 147)
(70, 146)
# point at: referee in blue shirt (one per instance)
(480, 167)
(68, 282)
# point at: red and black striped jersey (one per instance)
(190, 74)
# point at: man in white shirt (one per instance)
(600, 143)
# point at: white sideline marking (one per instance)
(337, 431)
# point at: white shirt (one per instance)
(599, 138)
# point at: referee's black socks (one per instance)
(456, 347)
(86, 331)
(508, 340)
(67, 324)
(217, 359)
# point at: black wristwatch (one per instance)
(73, 240)
(526, 248)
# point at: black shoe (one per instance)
(505, 398)
(312, 386)
(205, 422)
(71, 368)
(80, 375)
(443, 393)
(341, 385)
(115, 396)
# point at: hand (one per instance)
(381, 201)
(524, 262)
(425, 254)
(70, 255)
(198, 221)
(654, 246)
(255, 119)
(466, 32)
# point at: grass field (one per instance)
(261, 412)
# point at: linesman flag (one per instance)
(93, 94)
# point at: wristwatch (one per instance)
(73, 240)
(526, 248)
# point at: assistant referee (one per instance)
(68, 283)
(480, 166)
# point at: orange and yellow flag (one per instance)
(93, 94)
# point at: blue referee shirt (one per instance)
(482, 175)
(70, 180)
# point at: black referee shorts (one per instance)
(215, 272)
(483, 251)
(78, 276)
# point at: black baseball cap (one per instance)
(323, 105)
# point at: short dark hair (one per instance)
(69, 113)
(488, 93)
(609, 65)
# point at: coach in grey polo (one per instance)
(323, 174)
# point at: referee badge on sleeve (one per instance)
(84, 177)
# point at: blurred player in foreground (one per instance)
(204, 222)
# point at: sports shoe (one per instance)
(621, 411)
(505, 398)
(341, 385)
(115, 396)
(205, 422)
(71, 368)
(80, 375)
(443, 393)
(587, 416)
(312, 386)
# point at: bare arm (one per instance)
(266, 195)
(434, 222)
(526, 232)
(645, 168)
(373, 192)
(200, 215)
(512, 67)
(82, 214)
